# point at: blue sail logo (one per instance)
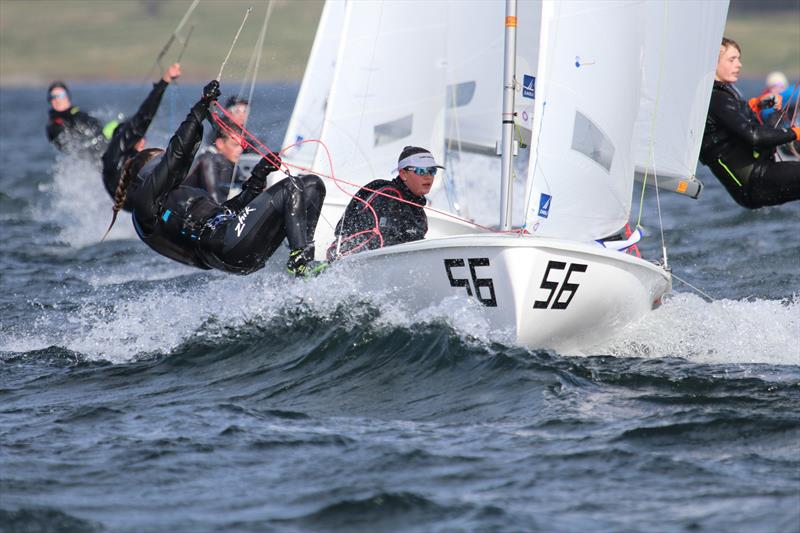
(544, 205)
(528, 86)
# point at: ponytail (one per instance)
(129, 171)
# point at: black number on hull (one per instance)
(491, 301)
(566, 286)
(455, 282)
(477, 282)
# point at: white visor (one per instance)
(422, 160)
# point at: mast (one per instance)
(507, 148)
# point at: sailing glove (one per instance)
(211, 91)
(267, 165)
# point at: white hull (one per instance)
(546, 293)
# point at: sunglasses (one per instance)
(56, 96)
(419, 171)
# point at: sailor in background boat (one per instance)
(775, 103)
(213, 169)
(128, 137)
(187, 225)
(738, 150)
(239, 109)
(384, 212)
(71, 130)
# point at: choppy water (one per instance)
(140, 395)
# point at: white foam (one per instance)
(723, 331)
(160, 319)
(80, 205)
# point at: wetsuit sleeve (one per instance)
(727, 111)
(173, 167)
(129, 132)
(243, 198)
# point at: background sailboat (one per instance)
(589, 85)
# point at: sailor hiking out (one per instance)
(238, 236)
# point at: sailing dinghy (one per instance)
(604, 91)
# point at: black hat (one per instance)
(58, 85)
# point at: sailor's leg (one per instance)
(776, 184)
(314, 192)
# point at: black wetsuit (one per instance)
(740, 152)
(185, 224)
(397, 222)
(75, 132)
(212, 172)
(125, 137)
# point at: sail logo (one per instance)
(544, 205)
(242, 218)
(528, 86)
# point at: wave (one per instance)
(150, 313)
(723, 331)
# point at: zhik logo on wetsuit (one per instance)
(242, 217)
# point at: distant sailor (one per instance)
(71, 130)
(738, 150)
(776, 102)
(187, 225)
(213, 170)
(128, 138)
(384, 212)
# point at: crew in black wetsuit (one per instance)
(185, 224)
(213, 169)
(128, 138)
(375, 217)
(71, 130)
(738, 150)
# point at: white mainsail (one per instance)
(581, 172)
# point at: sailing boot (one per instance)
(301, 263)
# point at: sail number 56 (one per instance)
(552, 285)
(478, 283)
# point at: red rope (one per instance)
(244, 133)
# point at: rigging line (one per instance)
(233, 44)
(652, 158)
(786, 107)
(332, 177)
(255, 62)
(699, 291)
(366, 89)
(448, 181)
(172, 37)
(185, 43)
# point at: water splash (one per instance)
(723, 331)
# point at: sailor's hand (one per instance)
(211, 91)
(267, 165)
(172, 72)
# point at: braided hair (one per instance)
(129, 171)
